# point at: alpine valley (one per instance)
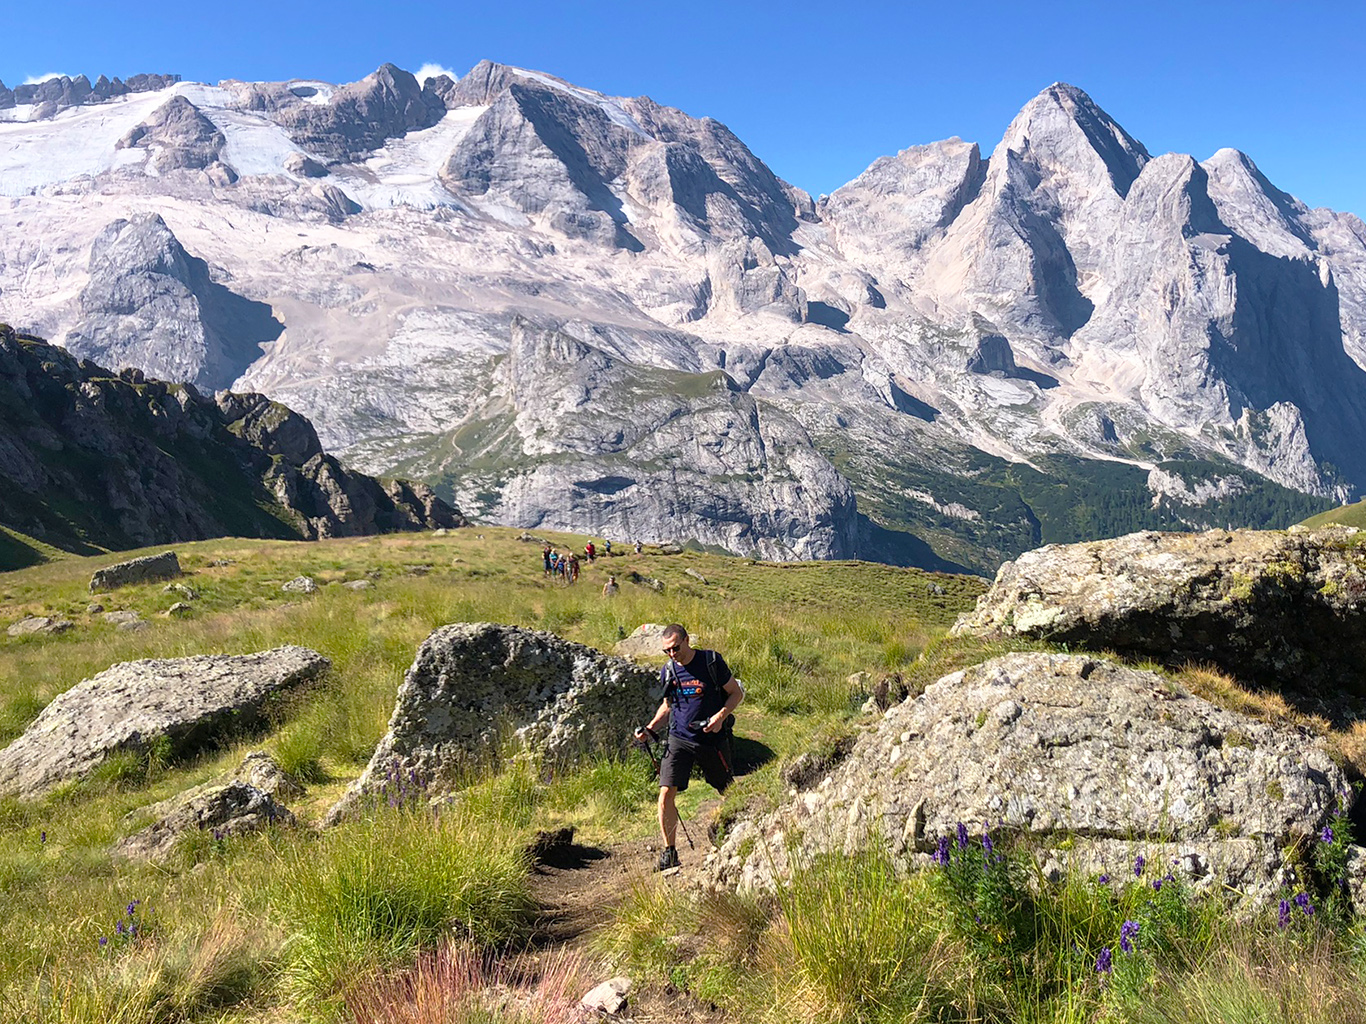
(573, 311)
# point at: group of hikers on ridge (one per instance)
(564, 565)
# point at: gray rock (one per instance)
(178, 609)
(300, 585)
(305, 166)
(1103, 760)
(690, 571)
(189, 701)
(122, 618)
(233, 809)
(94, 608)
(641, 580)
(40, 624)
(1286, 610)
(670, 549)
(645, 641)
(608, 998)
(188, 593)
(471, 682)
(359, 585)
(138, 570)
(260, 770)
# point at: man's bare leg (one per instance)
(668, 814)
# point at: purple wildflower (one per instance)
(1128, 931)
(987, 844)
(962, 836)
(103, 941)
(132, 907)
(1327, 835)
(1157, 885)
(120, 928)
(1139, 861)
(941, 853)
(1104, 879)
(1302, 901)
(1103, 961)
(1283, 914)
(42, 836)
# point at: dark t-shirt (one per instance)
(698, 693)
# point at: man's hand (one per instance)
(717, 720)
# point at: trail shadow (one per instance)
(571, 857)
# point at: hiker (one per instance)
(545, 555)
(700, 697)
(639, 547)
(610, 588)
(573, 568)
(590, 551)
(607, 547)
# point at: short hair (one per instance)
(673, 629)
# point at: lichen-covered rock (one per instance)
(189, 701)
(40, 624)
(228, 810)
(260, 770)
(300, 585)
(645, 641)
(1281, 609)
(164, 566)
(1103, 760)
(473, 684)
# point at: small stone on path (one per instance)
(609, 997)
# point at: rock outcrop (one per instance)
(165, 566)
(187, 701)
(149, 304)
(474, 683)
(179, 135)
(140, 462)
(1286, 610)
(1095, 760)
(232, 809)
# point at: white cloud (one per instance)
(433, 70)
(37, 79)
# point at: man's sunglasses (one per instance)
(671, 650)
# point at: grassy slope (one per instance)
(1345, 515)
(225, 911)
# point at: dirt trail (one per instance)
(579, 888)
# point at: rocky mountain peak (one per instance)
(1063, 128)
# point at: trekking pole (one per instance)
(647, 745)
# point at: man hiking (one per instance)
(700, 694)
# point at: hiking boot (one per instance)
(668, 858)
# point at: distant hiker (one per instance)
(607, 547)
(573, 568)
(589, 550)
(700, 697)
(610, 588)
(545, 555)
(639, 547)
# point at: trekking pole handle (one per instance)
(644, 731)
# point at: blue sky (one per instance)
(818, 91)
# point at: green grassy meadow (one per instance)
(404, 917)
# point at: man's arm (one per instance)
(735, 693)
(660, 714)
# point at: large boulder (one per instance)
(164, 566)
(228, 810)
(189, 701)
(1279, 609)
(474, 683)
(1090, 759)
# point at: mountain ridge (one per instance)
(1067, 296)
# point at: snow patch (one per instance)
(406, 172)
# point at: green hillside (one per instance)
(415, 915)
(1343, 515)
